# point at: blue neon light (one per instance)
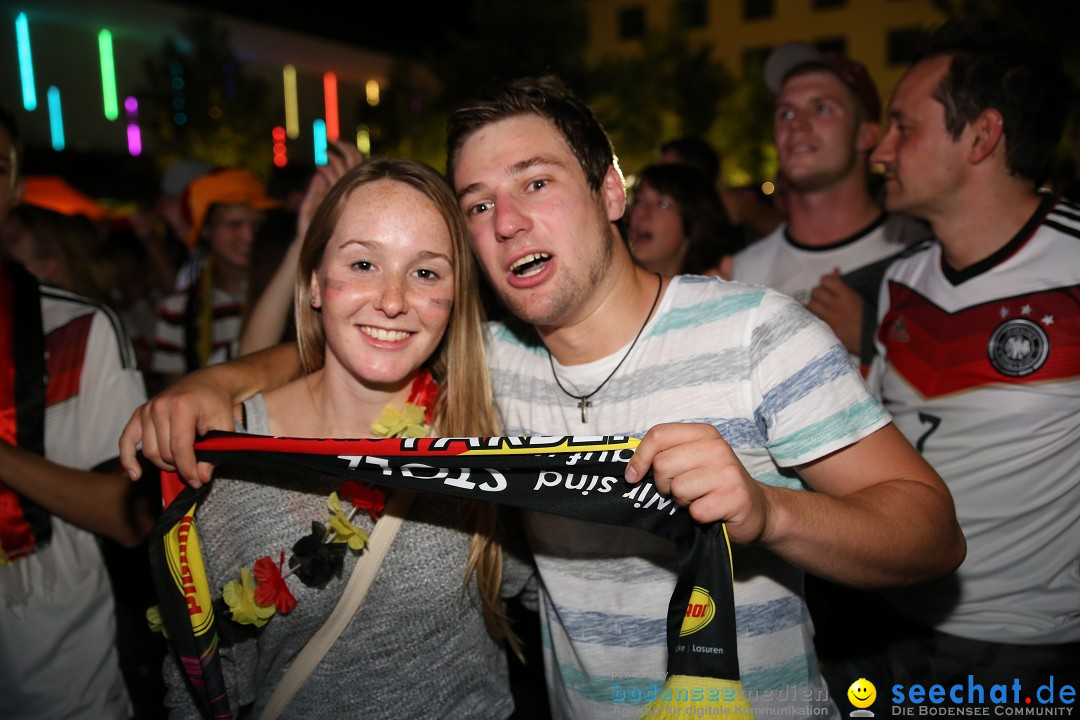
(26, 62)
(319, 131)
(56, 118)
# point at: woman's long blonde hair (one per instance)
(465, 407)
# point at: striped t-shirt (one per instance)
(170, 344)
(781, 390)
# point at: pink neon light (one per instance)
(131, 105)
(134, 138)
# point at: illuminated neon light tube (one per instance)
(134, 138)
(292, 112)
(363, 140)
(134, 134)
(330, 95)
(56, 118)
(26, 62)
(319, 130)
(108, 75)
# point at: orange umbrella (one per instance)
(54, 193)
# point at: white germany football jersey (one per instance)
(981, 371)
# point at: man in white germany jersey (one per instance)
(979, 362)
(68, 381)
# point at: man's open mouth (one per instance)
(529, 265)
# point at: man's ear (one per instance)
(867, 137)
(613, 194)
(987, 134)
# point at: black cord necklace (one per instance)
(583, 400)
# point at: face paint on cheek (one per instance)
(437, 311)
(333, 286)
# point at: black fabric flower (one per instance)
(315, 561)
(229, 631)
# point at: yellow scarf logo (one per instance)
(186, 566)
(699, 611)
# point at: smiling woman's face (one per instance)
(385, 285)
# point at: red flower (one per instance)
(425, 393)
(271, 588)
(364, 497)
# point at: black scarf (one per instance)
(575, 477)
(24, 525)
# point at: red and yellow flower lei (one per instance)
(261, 593)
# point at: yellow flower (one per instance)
(240, 598)
(155, 621)
(407, 424)
(344, 531)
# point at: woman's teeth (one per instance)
(385, 335)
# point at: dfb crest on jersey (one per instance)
(1018, 347)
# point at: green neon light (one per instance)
(108, 75)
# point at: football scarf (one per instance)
(24, 525)
(575, 477)
(199, 319)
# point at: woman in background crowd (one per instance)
(678, 225)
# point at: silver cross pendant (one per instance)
(584, 404)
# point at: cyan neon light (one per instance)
(108, 75)
(319, 131)
(26, 62)
(56, 118)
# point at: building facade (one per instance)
(880, 33)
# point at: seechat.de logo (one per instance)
(699, 611)
(973, 697)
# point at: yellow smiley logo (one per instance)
(862, 693)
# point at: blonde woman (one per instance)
(385, 304)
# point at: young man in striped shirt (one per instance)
(735, 390)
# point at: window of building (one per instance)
(632, 22)
(693, 13)
(826, 4)
(836, 45)
(757, 9)
(902, 45)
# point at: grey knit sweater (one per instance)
(416, 648)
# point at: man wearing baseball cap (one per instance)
(829, 253)
(201, 324)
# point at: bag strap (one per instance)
(363, 574)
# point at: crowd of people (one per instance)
(872, 384)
